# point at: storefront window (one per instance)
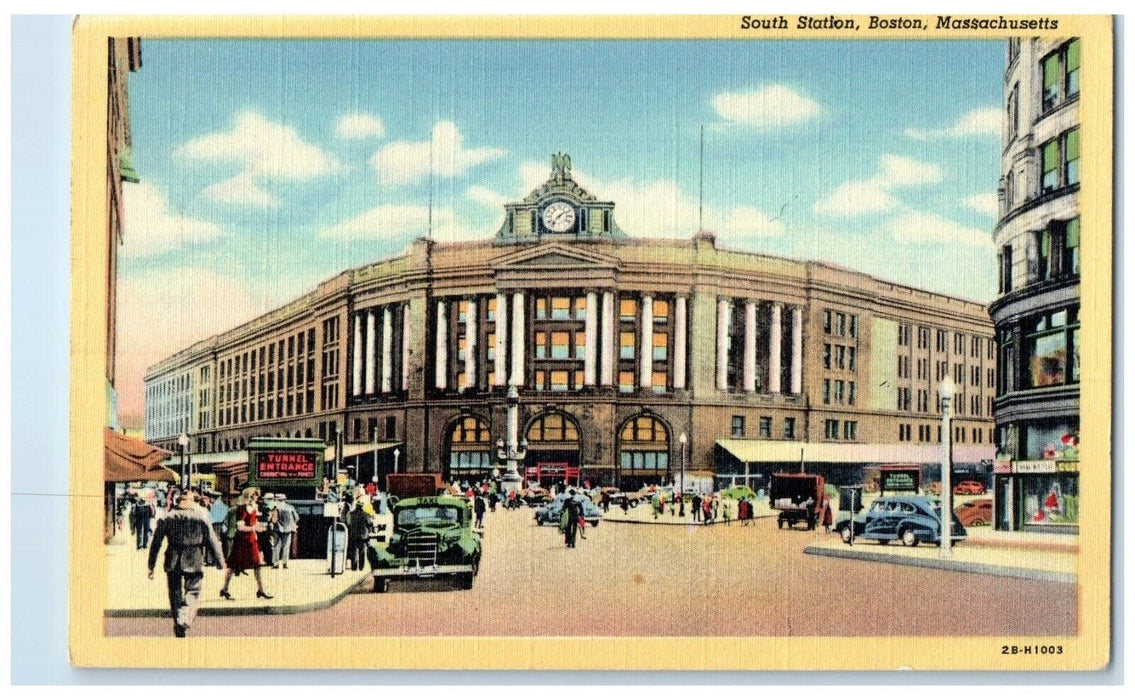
(1053, 337)
(1058, 440)
(1047, 356)
(1049, 499)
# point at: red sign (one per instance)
(285, 465)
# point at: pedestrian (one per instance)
(581, 521)
(696, 506)
(218, 513)
(372, 486)
(810, 512)
(287, 522)
(479, 511)
(725, 511)
(827, 515)
(706, 507)
(743, 512)
(358, 536)
(268, 517)
(569, 519)
(142, 517)
(188, 534)
(245, 552)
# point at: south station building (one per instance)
(634, 359)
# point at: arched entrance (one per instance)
(553, 449)
(470, 449)
(644, 452)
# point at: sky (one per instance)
(267, 166)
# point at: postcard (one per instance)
(653, 343)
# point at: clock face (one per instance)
(559, 217)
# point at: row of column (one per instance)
(749, 366)
(373, 371)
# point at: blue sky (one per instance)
(267, 166)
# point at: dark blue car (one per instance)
(911, 519)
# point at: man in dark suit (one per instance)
(189, 532)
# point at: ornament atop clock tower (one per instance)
(559, 209)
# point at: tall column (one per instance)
(750, 345)
(607, 366)
(471, 344)
(370, 353)
(500, 349)
(517, 377)
(406, 347)
(357, 358)
(796, 368)
(387, 349)
(646, 342)
(774, 350)
(591, 342)
(679, 362)
(441, 363)
(723, 306)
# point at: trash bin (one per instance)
(337, 547)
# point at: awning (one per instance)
(356, 449)
(351, 450)
(130, 459)
(760, 451)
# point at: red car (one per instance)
(979, 512)
(969, 488)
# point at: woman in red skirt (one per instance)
(245, 553)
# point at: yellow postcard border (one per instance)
(1088, 650)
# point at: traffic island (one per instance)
(643, 514)
(304, 586)
(1038, 565)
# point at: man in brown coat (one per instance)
(188, 531)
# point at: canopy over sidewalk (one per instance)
(129, 459)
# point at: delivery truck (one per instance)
(798, 497)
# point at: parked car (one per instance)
(969, 487)
(974, 513)
(536, 496)
(911, 519)
(550, 514)
(433, 536)
(934, 488)
(738, 492)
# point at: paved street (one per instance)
(642, 579)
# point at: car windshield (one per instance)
(428, 515)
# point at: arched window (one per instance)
(644, 445)
(469, 445)
(552, 427)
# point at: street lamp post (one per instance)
(512, 451)
(183, 442)
(682, 477)
(374, 439)
(946, 392)
(396, 453)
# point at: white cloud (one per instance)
(163, 311)
(408, 162)
(898, 171)
(265, 150)
(489, 197)
(985, 203)
(770, 105)
(150, 228)
(395, 222)
(874, 194)
(359, 126)
(985, 121)
(926, 227)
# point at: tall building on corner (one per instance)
(1037, 311)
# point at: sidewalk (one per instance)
(304, 585)
(644, 514)
(995, 556)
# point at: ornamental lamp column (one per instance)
(682, 478)
(183, 443)
(946, 392)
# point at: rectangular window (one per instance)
(561, 308)
(840, 324)
(851, 393)
(560, 380)
(1071, 252)
(560, 345)
(541, 346)
(626, 382)
(491, 309)
(627, 309)
(827, 391)
(626, 345)
(658, 382)
(539, 380)
(838, 397)
(827, 356)
(738, 427)
(1005, 263)
(851, 359)
(580, 344)
(853, 326)
(541, 309)
(850, 430)
(1072, 157)
(391, 425)
(789, 428)
(491, 346)
(831, 429)
(766, 426)
(661, 310)
(840, 356)
(828, 322)
(659, 341)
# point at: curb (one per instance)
(699, 523)
(950, 565)
(265, 609)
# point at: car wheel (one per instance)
(909, 538)
(632, 503)
(845, 534)
(381, 584)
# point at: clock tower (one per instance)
(559, 209)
